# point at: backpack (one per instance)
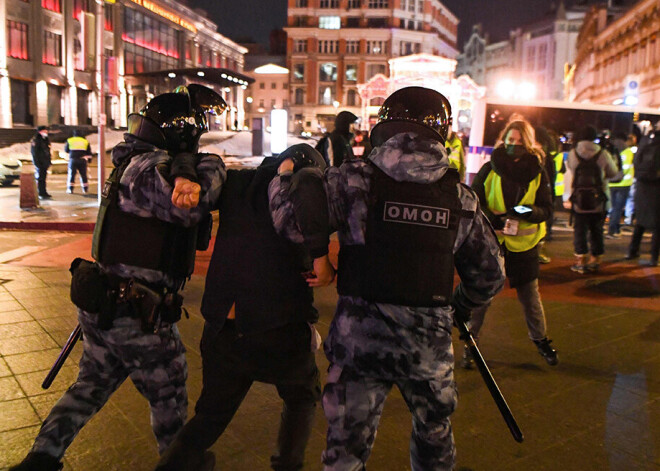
(647, 163)
(588, 195)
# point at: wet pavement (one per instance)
(599, 409)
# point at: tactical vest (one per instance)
(252, 266)
(408, 256)
(145, 242)
(529, 234)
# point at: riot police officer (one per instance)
(144, 244)
(404, 224)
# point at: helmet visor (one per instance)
(206, 100)
(168, 109)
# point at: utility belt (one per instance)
(112, 296)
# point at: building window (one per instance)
(354, 3)
(378, 4)
(151, 45)
(109, 19)
(377, 23)
(326, 94)
(273, 103)
(17, 40)
(406, 48)
(373, 69)
(300, 45)
(531, 57)
(352, 22)
(329, 4)
(273, 85)
(299, 96)
(261, 103)
(351, 73)
(328, 72)
(299, 72)
(376, 47)
(262, 86)
(329, 22)
(285, 103)
(52, 51)
(285, 86)
(328, 47)
(301, 3)
(80, 6)
(351, 98)
(352, 47)
(543, 53)
(52, 5)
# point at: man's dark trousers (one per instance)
(231, 362)
(40, 174)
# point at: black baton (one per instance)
(467, 337)
(61, 358)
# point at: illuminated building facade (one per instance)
(48, 61)
(334, 45)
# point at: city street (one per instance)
(599, 409)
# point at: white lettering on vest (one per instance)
(405, 213)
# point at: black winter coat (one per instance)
(40, 148)
(516, 174)
(647, 194)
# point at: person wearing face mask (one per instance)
(515, 194)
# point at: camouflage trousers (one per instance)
(353, 404)
(156, 364)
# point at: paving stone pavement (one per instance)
(599, 409)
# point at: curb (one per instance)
(70, 226)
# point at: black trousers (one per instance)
(40, 174)
(231, 362)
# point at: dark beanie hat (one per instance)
(42, 128)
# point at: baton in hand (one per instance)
(61, 358)
(467, 337)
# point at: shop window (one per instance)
(52, 49)
(17, 40)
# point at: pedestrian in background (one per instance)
(456, 153)
(586, 194)
(335, 146)
(647, 196)
(80, 153)
(394, 316)
(619, 191)
(259, 315)
(515, 194)
(40, 149)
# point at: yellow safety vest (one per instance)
(627, 156)
(559, 179)
(77, 143)
(529, 234)
(456, 155)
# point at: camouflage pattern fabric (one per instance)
(156, 364)
(385, 344)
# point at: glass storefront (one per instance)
(149, 44)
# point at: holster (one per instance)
(151, 306)
(89, 291)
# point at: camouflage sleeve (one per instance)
(335, 189)
(477, 257)
(144, 190)
(299, 209)
(281, 208)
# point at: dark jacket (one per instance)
(40, 148)
(251, 266)
(521, 267)
(647, 191)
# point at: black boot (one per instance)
(179, 457)
(37, 461)
(546, 351)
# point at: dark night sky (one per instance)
(239, 19)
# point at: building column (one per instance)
(70, 110)
(6, 120)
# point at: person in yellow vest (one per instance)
(80, 153)
(515, 194)
(620, 190)
(456, 153)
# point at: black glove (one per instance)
(497, 222)
(184, 165)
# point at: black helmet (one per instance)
(175, 121)
(413, 109)
(303, 155)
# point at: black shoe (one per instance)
(467, 362)
(547, 352)
(37, 461)
(45, 196)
